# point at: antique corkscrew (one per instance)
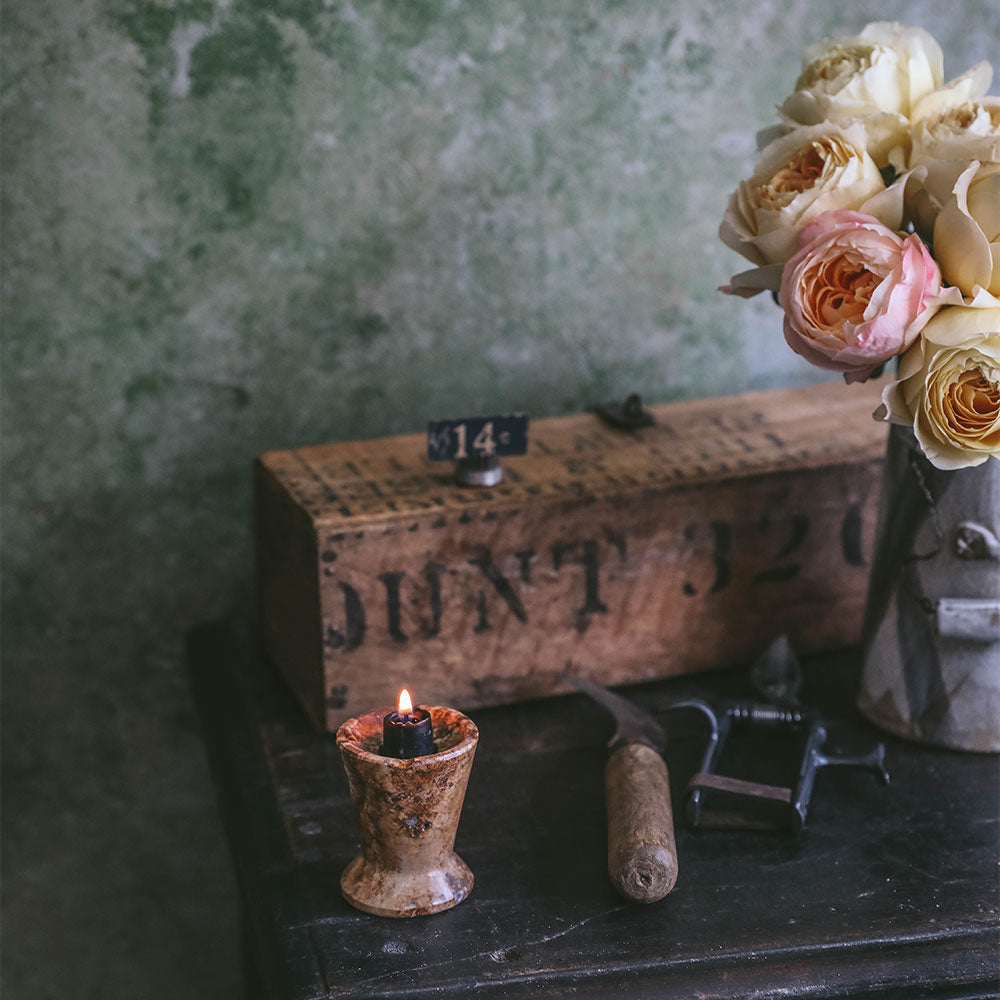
(755, 804)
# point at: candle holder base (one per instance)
(408, 812)
(397, 894)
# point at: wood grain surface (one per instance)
(890, 893)
(624, 556)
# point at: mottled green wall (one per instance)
(237, 225)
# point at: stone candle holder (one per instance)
(408, 812)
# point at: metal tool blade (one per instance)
(633, 724)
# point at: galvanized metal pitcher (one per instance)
(932, 626)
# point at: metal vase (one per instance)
(932, 626)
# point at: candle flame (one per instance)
(405, 705)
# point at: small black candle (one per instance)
(407, 732)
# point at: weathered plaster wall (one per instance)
(234, 225)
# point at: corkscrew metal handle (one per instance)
(873, 761)
(757, 714)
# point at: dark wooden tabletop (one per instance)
(890, 892)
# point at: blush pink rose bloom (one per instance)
(856, 293)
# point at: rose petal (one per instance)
(963, 249)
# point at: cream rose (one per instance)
(944, 144)
(947, 142)
(949, 387)
(799, 176)
(953, 126)
(966, 131)
(967, 231)
(856, 294)
(970, 86)
(876, 77)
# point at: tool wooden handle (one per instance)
(642, 855)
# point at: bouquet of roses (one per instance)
(873, 215)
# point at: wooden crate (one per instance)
(624, 555)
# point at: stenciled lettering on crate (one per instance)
(625, 555)
(506, 587)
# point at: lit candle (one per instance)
(407, 732)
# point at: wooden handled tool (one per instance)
(642, 855)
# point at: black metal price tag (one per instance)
(477, 437)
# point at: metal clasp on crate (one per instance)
(475, 445)
(628, 415)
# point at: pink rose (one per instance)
(856, 293)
